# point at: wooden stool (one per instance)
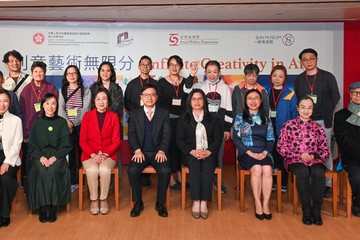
(150, 169)
(242, 173)
(184, 171)
(345, 184)
(82, 172)
(328, 174)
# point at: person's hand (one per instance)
(195, 153)
(4, 168)
(262, 155)
(252, 154)
(160, 156)
(96, 157)
(306, 157)
(52, 160)
(138, 156)
(44, 161)
(204, 154)
(226, 136)
(194, 68)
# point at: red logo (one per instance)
(174, 39)
(38, 38)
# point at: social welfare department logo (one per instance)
(288, 39)
(174, 39)
(123, 39)
(38, 38)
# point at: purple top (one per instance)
(101, 118)
(297, 137)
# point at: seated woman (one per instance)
(199, 138)
(303, 145)
(49, 176)
(253, 136)
(10, 140)
(347, 135)
(99, 141)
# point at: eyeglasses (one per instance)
(174, 65)
(71, 73)
(305, 108)
(197, 99)
(309, 60)
(146, 95)
(355, 93)
(253, 99)
(145, 65)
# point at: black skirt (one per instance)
(248, 162)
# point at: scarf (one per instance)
(200, 133)
(354, 118)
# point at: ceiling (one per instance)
(180, 10)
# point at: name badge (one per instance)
(313, 97)
(213, 108)
(176, 101)
(273, 114)
(72, 112)
(37, 107)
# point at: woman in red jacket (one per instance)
(99, 140)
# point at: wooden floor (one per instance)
(226, 224)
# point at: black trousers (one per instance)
(201, 178)
(174, 151)
(354, 179)
(8, 188)
(310, 183)
(163, 172)
(74, 155)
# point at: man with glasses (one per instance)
(132, 95)
(149, 139)
(322, 87)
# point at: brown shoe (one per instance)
(104, 206)
(94, 207)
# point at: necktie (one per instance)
(149, 115)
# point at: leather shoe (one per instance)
(317, 220)
(259, 216)
(138, 207)
(52, 214)
(43, 217)
(328, 192)
(196, 215)
(204, 215)
(267, 216)
(104, 206)
(307, 220)
(160, 208)
(355, 211)
(94, 207)
(5, 222)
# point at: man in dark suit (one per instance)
(149, 138)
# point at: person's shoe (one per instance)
(160, 208)
(146, 181)
(273, 187)
(259, 216)
(317, 220)
(267, 216)
(307, 220)
(104, 206)
(5, 222)
(138, 207)
(223, 189)
(52, 214)
(43, 218)
(176, 186)
(284, 189)
(355, 211)
(74, 187)
(204, 215)
(327, 192)
(196, 215)
(94, 207)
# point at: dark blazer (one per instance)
(186, 139)
(161, 129)
(347, 137)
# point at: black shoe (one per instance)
(138, 207)
(317, 220)
(267, 216)
(5, 222)
(52, 214)
(259, 216)
(176, 186)
(146, 181)
(160, 208)
(355, 211)
(43, 218)
(328, 192)
(307, 220)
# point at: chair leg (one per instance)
(348, 198)
(183, 188)
(116, 176)
(290, 177)
(237, 170)
(278, 189)
(81, 176)
(242, 190)
(219, 179)
(335, 193)
(295, 195)
(68, 207)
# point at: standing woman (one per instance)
(199, 137)
(10, 138)
(99, 140)
(74, 102)
(172, 97)
(49, 175)
(282, 108)
(253, 136)
(303, 145)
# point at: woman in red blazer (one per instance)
(99, 141)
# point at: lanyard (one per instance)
(73, 95)
(176, 85)
(38, 96)
(211, 93)
(313, 85)
(276, 101)
(147, 80)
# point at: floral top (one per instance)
(297, 137)
(255, 137)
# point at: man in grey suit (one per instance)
(149, 138)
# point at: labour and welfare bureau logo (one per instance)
(173, 39)
(38, 38)
(123, 39)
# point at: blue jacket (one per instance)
(286, 108)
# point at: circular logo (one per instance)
(50, 128)
(38, 38)
(288, 39)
